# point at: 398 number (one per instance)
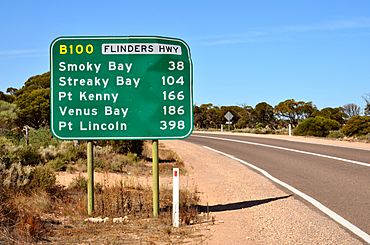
(171, 125)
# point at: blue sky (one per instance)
(244, 52)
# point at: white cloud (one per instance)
(23, 53)
(275, 33)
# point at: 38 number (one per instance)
(179, 65)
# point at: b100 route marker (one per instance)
(121, 88)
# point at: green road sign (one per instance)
(121, 88)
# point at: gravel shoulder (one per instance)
(248, 208)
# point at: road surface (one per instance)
(337, 177)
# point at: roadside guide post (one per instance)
(176, 198)
(90, 178)
(121, 88)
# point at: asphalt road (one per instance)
(343, 187)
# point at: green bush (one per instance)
(318, 126)
(336, 134)
(79, 184)
(16, 177)
(70, 152)
(26, 178)
(25, 155)
(99, 164)
(357, 126)
(41, 138)
(124, 146)
(42, 178)
(28, 155)
(6, 152)
(57, 164)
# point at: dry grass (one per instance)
(21, 217)
(58, 216)
(168, 159)
(133, 200)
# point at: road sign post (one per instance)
(121, 88)
(228, 117)
(155, 178)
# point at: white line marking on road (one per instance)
(287, 149)
(357, 231)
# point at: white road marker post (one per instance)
(176, 198)
(290, 129)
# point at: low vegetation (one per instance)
(341, 122)
(34, 208)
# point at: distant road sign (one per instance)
(121, 88)
(229, 116)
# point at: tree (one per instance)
(351, 110)
(294, 110)
(33, 101)
(247, 118)
(11, 90)
(264, 114)
(367, 106)
(336, 114)
(6, 97)
(207, 116)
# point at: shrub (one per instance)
(57, 164)
(28, 155)
(79, 184)
(99, 164)
(318, 126)
(16, 177)
(48, 153)
(125, 146)
(41, 138)
(26, 178)
(25, 155)
(71, 152)
(336, 134)
(357, 126)
(42, 178)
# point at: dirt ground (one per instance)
(248, 208)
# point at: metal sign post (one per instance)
(155, 178)
(228, 117)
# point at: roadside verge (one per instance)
(248, 208)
